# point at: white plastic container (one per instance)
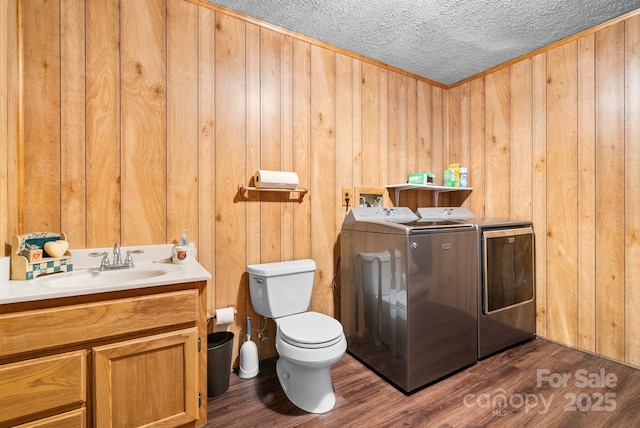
(464, 177)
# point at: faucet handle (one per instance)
(105, 258)
(128, 261)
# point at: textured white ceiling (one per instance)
(443, 40)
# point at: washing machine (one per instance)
(506, 277)
(408, 294)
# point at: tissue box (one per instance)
(421, 177)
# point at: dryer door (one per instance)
(508, 264)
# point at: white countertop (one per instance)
(155, 257)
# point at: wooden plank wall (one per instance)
(9, 118)
(141, 118)
(5, 33)
(560, 146)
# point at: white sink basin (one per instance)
(95, 277)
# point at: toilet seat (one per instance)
(310, 330)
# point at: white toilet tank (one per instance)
(282, 288)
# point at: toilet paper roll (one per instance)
(265, 179)
(224, 316)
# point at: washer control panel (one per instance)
(390, 214)
(445, 213)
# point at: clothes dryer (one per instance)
(506, 277)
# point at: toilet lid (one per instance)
(310, 330)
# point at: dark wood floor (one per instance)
(503, 390)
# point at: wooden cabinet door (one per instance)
(148, 381)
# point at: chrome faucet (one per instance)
(116, 254)
(117, 259)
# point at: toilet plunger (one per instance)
(249, 365)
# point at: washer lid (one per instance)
(310, 330)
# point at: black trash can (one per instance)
(219, 351)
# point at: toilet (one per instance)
(308, 343)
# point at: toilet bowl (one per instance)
(308, 343)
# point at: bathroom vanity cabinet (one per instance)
(122, 358)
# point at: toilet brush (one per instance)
(249, 363)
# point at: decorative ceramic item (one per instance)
(183, 254)
(56, 249)
(39, 253)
